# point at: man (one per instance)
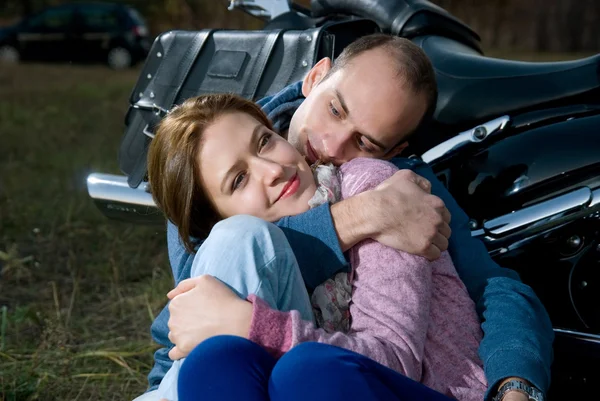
(367, 104)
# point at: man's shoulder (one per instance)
(287, 94)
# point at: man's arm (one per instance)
(399, 213)
(314, 241)
(518, 333)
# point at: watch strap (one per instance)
(532, 393)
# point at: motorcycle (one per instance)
(516, 144)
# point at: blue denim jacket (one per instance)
(518, 333)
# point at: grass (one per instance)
(77, 292)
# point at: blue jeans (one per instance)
(228, 368)
(251, 256)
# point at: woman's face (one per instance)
(248, 169)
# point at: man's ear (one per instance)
(395, 151)
(315, 75)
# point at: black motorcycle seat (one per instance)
(406, 18)
(473, 87)
(390, 15)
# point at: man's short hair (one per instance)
(413, 65)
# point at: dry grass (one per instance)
(78, 292)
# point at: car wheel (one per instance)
(119, 58)
(9, 54)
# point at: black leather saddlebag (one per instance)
(253, 64)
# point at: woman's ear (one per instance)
(315, 75)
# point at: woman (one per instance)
(216, 156)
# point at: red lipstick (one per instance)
(290, 187)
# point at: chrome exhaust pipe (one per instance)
(117, 200)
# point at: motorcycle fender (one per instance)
(527, 167)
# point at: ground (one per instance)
(77, 292)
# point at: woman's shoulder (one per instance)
(368, 162)
(362, 174)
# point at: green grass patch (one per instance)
(77, 291)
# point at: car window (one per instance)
(53, 20)
(98, 19)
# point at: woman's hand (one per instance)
(204, 307)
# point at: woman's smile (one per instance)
(290, 187)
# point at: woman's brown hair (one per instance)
(173, 170)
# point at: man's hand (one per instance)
(400, 213)
(411, 219)
(204, 307)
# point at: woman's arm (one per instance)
(391, 296)
(279, 331)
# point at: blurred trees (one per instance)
(533, 25)
(161, 15)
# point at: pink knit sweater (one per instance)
(409, 314)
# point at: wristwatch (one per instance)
(532, 393)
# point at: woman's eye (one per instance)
(334, 111)
(264, 141)
(237, 181)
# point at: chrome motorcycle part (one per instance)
(263, 9)
(117, 200)
(515, 229)
(588, 337)
(474, 135)
(574, 242)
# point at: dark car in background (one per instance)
(81, 32)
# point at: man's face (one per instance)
(362, 110)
